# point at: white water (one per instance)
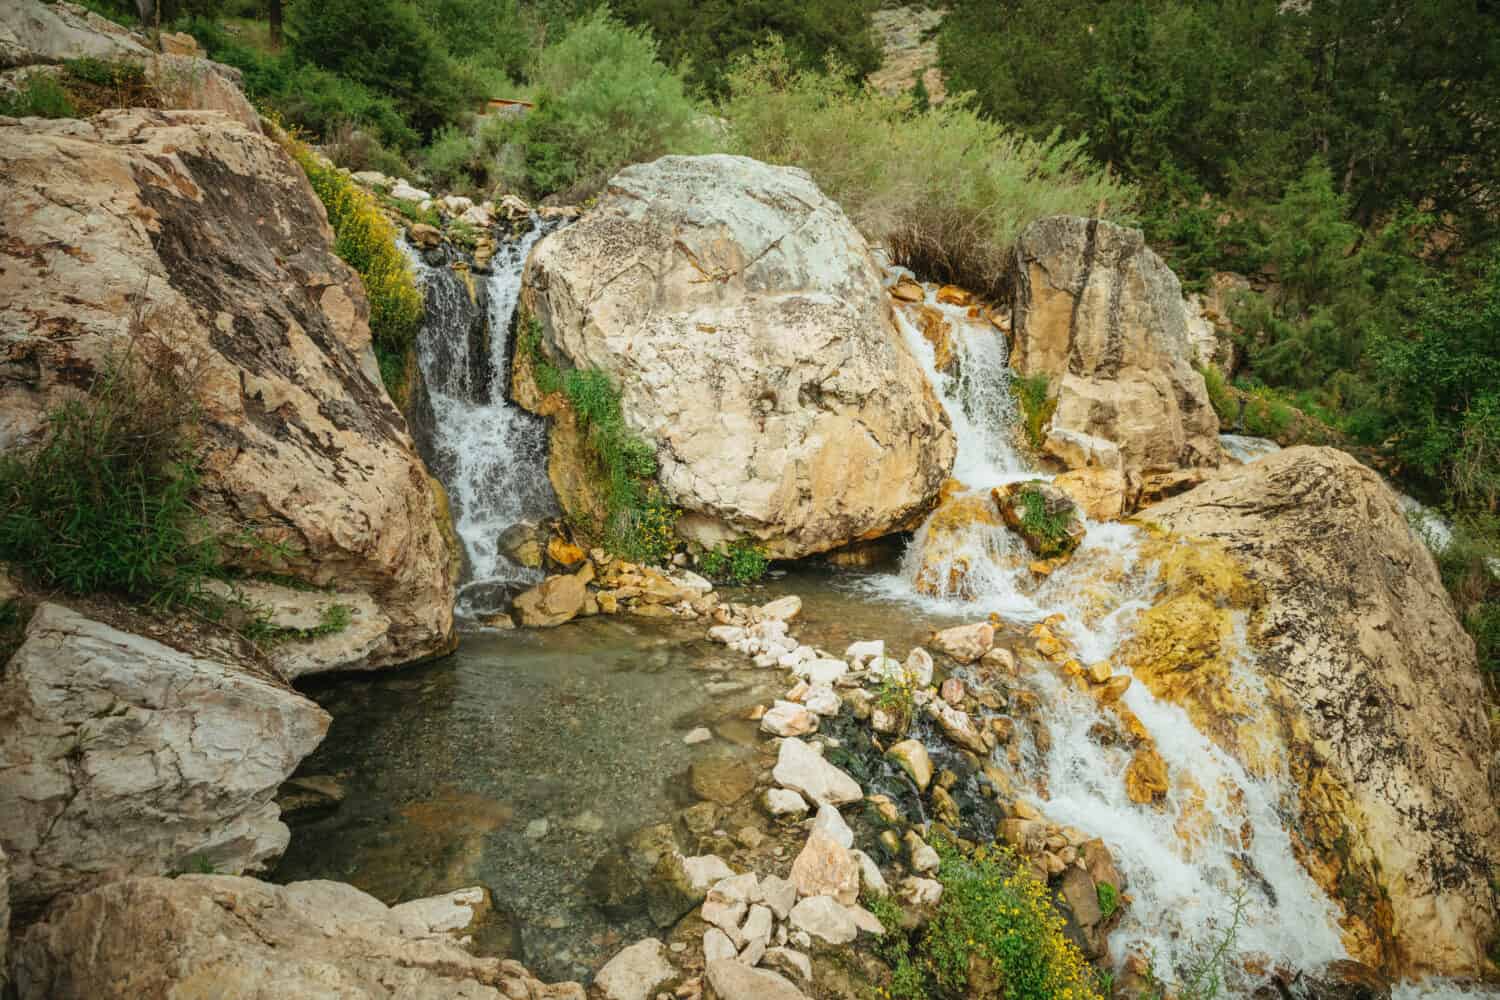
(1245, 449)
(490, 454)
(1220, 838)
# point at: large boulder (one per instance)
(1101, 315)
(123, 756)
(199, 245)
(223, 936)
(742, 318)
(1373, 700)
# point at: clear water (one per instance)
(489, 453)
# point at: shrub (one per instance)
(1470, 566)
(947, 190)
(41, 97)
(742, 561)
(1049, 528)
(602, 101)
(103, 502)
(366, 240)
(1109, 899)
(995, 935)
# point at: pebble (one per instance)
(699, 735)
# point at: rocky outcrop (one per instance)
(122, 756)
(38, 37)
(198, 245)
(217, 935)
(742, 317)
(1374, 698)
(1101, 315)
(1210, 331)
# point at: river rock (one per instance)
(820, 427)
(122, 756)
(635, 973)
(965, 643)
(800, 768)
(552, 602)
(825, 918)
(732, 980)
(782, 609)
(1348, 610)
(1101, 315)
(236, 283)
(787, 718)
(1057, 507)
(825, 867)
(724, 780)
(784, 802)
(451, 913)
(222, 935)
(914, 760)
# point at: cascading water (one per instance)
(489, 453)
(1217, 850)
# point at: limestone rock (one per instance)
(1348, 610)
(1101, 315)
(211, 234)
(784, 802)
(724, 780)
(819, 427)
(552, 602)
(826, 918)
(786, 718)
(802, 769)
(959, 527)
(220, 935)
(1057, 532)
(1098, 493)
(121, 756)
(310, 612)
(450, 913)
(732, 980)
(635, 973)
(826, 868)
(1210, 332)
(914, 760)
(33, 33)
(965, 643)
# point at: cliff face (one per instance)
(195, 243)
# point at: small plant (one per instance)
(1205, 974)
(104, 501)
(897, 698)
(1109, 899)
(106, 73)
(261, 630)
(742, 561)
(1031, 394)
(41, 97)
(1050, 528)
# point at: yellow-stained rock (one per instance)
(1146, 777)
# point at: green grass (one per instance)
(1031, 395)
(1050, 529)
(640, 523)
(1109, 899)
(260, 630)
(42, 97)
(103, 503)
(897, 699)
(742, 561)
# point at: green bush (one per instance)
(1470, 566)
(1050, 529)
(1109, 898)
(42, 96)
(995, 936)
(366, 240)
(603, 101)
(104, 502)
(947, 191)
(1032, 395)
(742, 561)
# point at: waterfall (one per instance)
(489, 453)
(1219, 843)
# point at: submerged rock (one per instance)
(121, 756)
(1101, 315)
(818, 428)
(1373, 699)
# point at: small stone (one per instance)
(920, 892)
(635, 972)
(831, 821)
(759, 924)
(698, 735)
(749, 837)
(800, 768)
(871, 881)
(537, 829)
(791, 962)
(952, 691)
(724, 780)
(1100, 672)
(825, 918)
(913, 758)
(861, 653)
(706, 870)
(787, 718)
(782, 609)
(1025, 810)
(734, 980)
(779, 894)
(822, 671)
(716, 945)
(821, 699)
(923, 857)
(1115, 687)
(784, 802)
(919, 667)
(866, 921)
(826, 868)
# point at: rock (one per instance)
(1044, 516)
(826, 868)
(822, 700)
(821, 671)
(871, 881)
(105, 768)
(671, 890)
(914, 760)
(1209, 330)
(1146, 777)
(830, 821)
(425, 236)
(157, 937)
(919, 667)
(40, 33)
(699, 734)
(957, 726)
(923, 857)
(801, 454)
(552, 602)
(1349, 609)
(782, 609)
(240, 286)
(952, 691)
(961, 526)
(1100, 314)
(791, 962)
(732, 980)
(861, 653)
(801, 769)
(635, 972)
(758, 926)
(716, 945)
(1099, 494)
(779, 894)
(784, 802)
(1082, 897)
(825, 918)
(724, 780)
(308, 612)
(923, 893)
(403, 191)
(451, 913)
(786, 718)
(706, 869)
(965, 643)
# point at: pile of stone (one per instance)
(596, 583)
